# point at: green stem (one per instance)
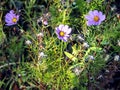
(64, 15)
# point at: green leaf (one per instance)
(70, 56)
(105, 42)
(95, 49)
(75, 52)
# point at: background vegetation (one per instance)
(33, 58)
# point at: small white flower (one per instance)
(116, 58)
(100, 77)
(77, 71)
(86, 45)
(88, 1)
(107, 57)
(19, 75)
(41, 54)
(107, 71)
(28, 42)
(63, 2)
(21, 31)
(118, 42)
(113, 8)
(91, 78)
(90, 57)
(80, 38)
(40, 35)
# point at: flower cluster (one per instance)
(93, 18)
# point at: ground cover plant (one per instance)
(59, 45)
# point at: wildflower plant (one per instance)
(65, 52)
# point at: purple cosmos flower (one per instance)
(11, 18)
(95, 18)
(63, 32)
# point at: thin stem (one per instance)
(5, 65)
(64, 15)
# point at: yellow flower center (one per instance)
(14, 20)
(62, 33)
(96, 18)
